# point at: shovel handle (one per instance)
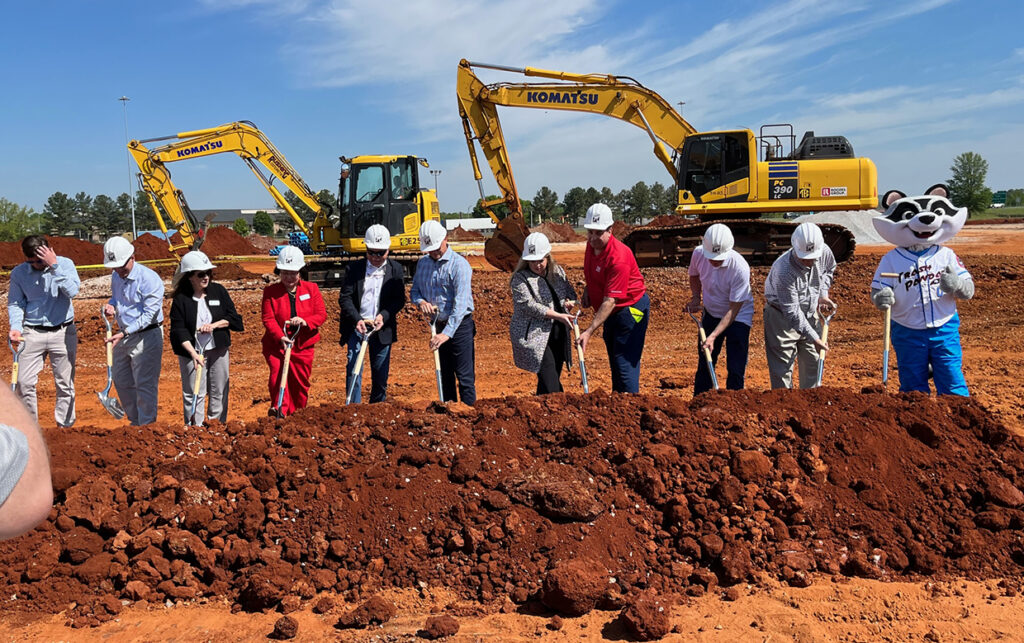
(579, 353)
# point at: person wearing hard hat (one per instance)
(137, 303)
(42, 319)
(796, 300)
(202, 318)
(291, 303)
(616, 291)
(720, 282)
(541, 300)
(371, 297)
(442, 289)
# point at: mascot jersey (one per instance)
(920, 301)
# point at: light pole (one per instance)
(681, 103)
(435, 173)
(131, 192)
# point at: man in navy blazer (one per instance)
(370, 298)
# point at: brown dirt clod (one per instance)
(439, 627)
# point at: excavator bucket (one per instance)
(505, 247)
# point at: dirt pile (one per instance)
(458, 233)
(665, 220)
(559, 232)
(620, 230)
(640, 493)
(222, 241)
(81, 252)
(261, 243)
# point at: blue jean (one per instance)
(916, 349)
(458, 360)
(380, 364)
(624, 338)
(737, 344)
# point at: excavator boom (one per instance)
(718, 175)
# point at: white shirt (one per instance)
(920, 301)
(725, 285)
(203, 316)
(369, 305)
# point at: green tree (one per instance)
(18, 221)
(103, 216)
(262, 223)
(145, 218)
(1014, 198)
(59, 212)
(665, 198)
(83, 210)
(967, 185)
(124, 212)
(638, 202)
(575, 205)
(241, 226)
(545, 203)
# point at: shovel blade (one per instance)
(111, 405)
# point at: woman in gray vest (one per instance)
(541, 323)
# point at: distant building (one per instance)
(226, 217)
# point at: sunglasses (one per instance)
(376, 253)
(201, 274)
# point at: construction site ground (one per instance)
(955, 602)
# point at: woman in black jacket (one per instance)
(202, 316)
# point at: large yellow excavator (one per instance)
(732, 175)
(372, 189)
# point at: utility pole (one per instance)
(131, 192)
(435, 173)
(681, 103)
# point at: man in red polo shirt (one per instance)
(616, 291)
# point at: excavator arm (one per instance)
(618, 97)
(241, 138)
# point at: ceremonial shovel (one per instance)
(287, 365)
(359, 362)
(885, 334)
(579, 351)
(201, 349)
(110, 403)
(437, 362)
(821, 353)
(14, 367)
(704, 349)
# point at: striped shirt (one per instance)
(795, 289)
(42, 297)
(138, 299)
(446, 283)
(13, 459)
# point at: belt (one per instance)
(50, 329)
(142, 330)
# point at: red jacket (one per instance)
(309, 305)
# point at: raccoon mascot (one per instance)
(930, 278)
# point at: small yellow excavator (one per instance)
(731, 175)
(381, 189)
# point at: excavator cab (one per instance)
(384, 190)
(716, 167)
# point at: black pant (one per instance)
(457, 360)
(737, 345)
(550, 373)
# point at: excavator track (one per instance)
(760, 241)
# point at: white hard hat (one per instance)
(599, 217)
(536, 247)
(291, 258)
(116, 252)
(196, 260)
(432, 233)
(807, 240)
(377, 237)
(718, 242)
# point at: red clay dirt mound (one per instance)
(221, 241)
(81, 252)
(665, 220)
(262, 243)
(651, 494)
(458, 233)
(620, 230)
(559, 232)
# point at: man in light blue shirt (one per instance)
(137, 302)
(443, 291)
(42, 316)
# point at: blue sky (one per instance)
(911, 84)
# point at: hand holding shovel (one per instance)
(437, 360)
(704, 349)
(885, 333)
(579, 351)
(17, 354)
(109, 403)
(290, 337)
(201, 350)
(357, 369)
(821, 352)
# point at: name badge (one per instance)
(214, 302)
(304, 297)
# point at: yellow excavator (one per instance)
(372, 189)
(732, 174)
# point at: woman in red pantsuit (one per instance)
(297, 303)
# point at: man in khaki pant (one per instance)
(42, 316)
(796, 295)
